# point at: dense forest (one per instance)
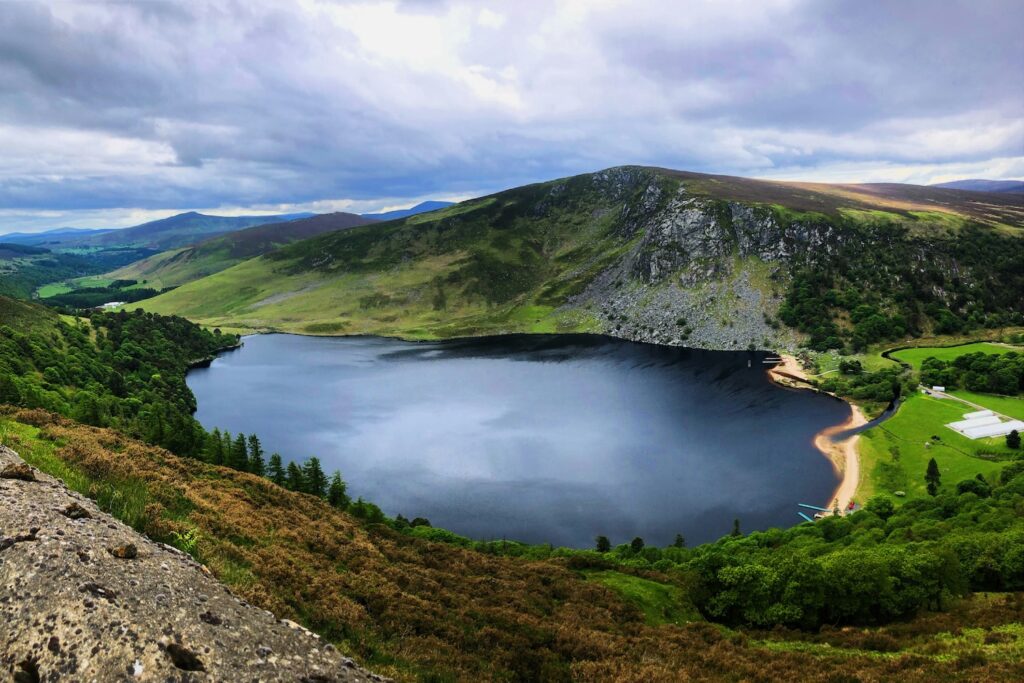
(885, 284)
(985, 372)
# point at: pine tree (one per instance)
(215, 448)
(294, 480)
(256, 464)
(1013, 439)
(736, 528)
(316, 480)
(337, 495)
(602, 544)
(225, 447)
(932, 477)
(276, 470)
(637, 544)
(680, 542)
(238, 457)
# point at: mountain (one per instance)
(650, 255)
(178, 266)
(51, 236)
(422, 207)
(166, 233)
(975, 185)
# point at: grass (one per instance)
(895, 454)
(984, 627)
(53, 289)
(1011, 406)
(660, 603)
(124, 498)
(914, 357)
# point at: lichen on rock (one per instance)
(84, 597)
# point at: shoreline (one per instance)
(843, 455)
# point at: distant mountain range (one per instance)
(177, 266)
(183, 229)
(54, 235)
(978, 185)
(422, 207)
(166, 233)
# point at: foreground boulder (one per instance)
(84, 597)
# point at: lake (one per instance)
(537, 438)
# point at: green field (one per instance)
(894, 454)
(661, 603)
(55, 288)
(914, 357)
(1011, 406)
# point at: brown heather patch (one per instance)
(828, 198)
(419, 610)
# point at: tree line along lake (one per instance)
(536, 438)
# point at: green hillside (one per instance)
(646, 254)
(178, 266)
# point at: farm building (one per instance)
(984, 423)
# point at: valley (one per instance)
(544, 342)
(479, 458)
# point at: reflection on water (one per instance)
(537, 438)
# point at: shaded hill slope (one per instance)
(178, 266)
(647, 254)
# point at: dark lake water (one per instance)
(535, 438)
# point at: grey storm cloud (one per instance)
(185, 105)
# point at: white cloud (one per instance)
(228, 104)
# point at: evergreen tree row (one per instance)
(246, 454)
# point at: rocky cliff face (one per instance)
(84, 597)
(712, 273)
(703, 273)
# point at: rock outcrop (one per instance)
(84, 597)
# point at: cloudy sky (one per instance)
(114, 113)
